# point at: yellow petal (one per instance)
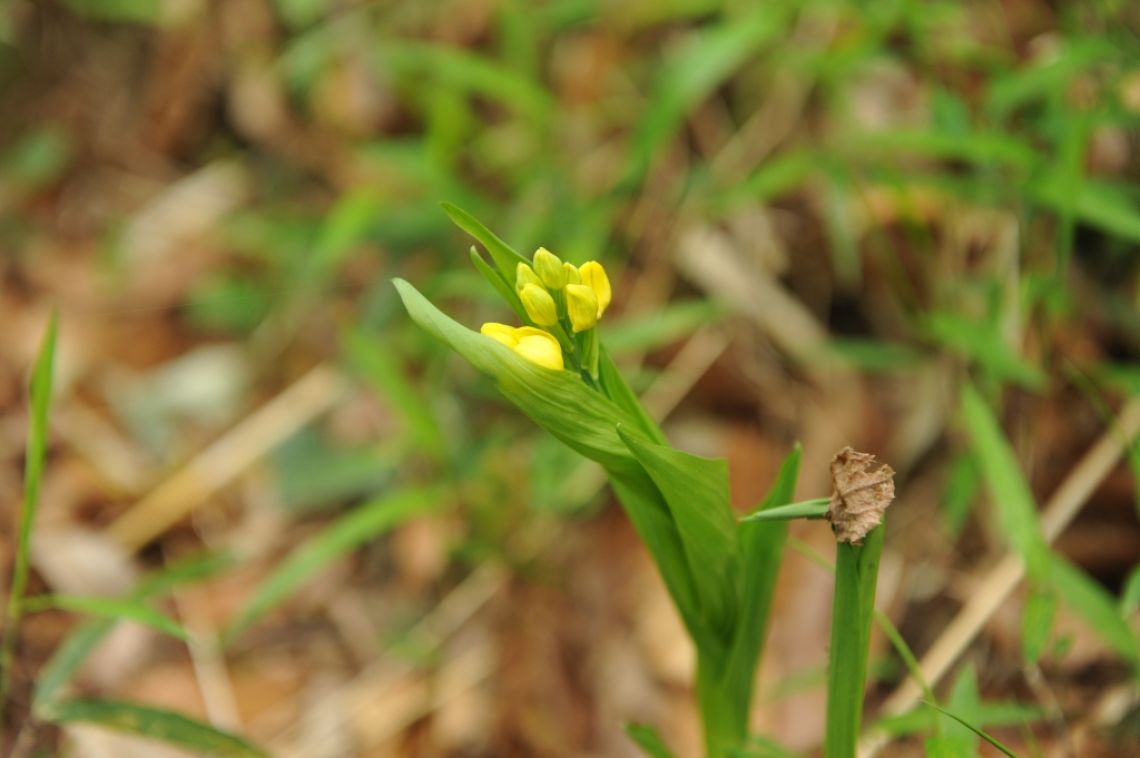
(594, 276)
(572, 275)
(539, 305)
(500, 333)
(582, 306)
(539, 347)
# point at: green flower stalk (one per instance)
(720, 573)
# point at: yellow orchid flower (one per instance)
(533, 344)
(582, 307)
(548, 266)
(539, 305)
(594, 276)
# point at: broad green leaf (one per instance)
(357, 527)
(112, 608)
(73, 651)
(761, 549)
(506, 258)
(696, 491)
(815, 508)
(1009, 493)
(856, 574)
(155, 723)
(648, 740)
(1092, 603)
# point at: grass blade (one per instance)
(33, 473)
(113, 608)
(1008, 490)
(974, 729)
(506, 257)
(71, 654)
(358, 526)
(648, 740)
(1091, 602)
(155, 723)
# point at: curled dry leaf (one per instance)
(861, 494)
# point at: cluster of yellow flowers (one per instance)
(555, 294)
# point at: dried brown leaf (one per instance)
(861, 494)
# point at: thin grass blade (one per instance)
(155, 723)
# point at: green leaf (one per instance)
(1130, 595)
(357, 527)
(1009, 493)
(691, 73)
(648, 740)
(113, 608)
(468, 71)
(983, 345)
(856, 574)
(761, 549)
(696, 491)
(384, 372)
(618, 391)
(1092, 603)
(496, 280)
(155, 723)
(816, 508)
(1037, 623)
(506, 258)
(975, 730)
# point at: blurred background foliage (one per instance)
(820, 218)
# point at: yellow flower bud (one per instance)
(572, 275)
(525, 275)
(582, 305)
(539, 347)
(548, 266)
(539, 305)
(594, 276)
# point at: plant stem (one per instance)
(856, 572)
(724, 717)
